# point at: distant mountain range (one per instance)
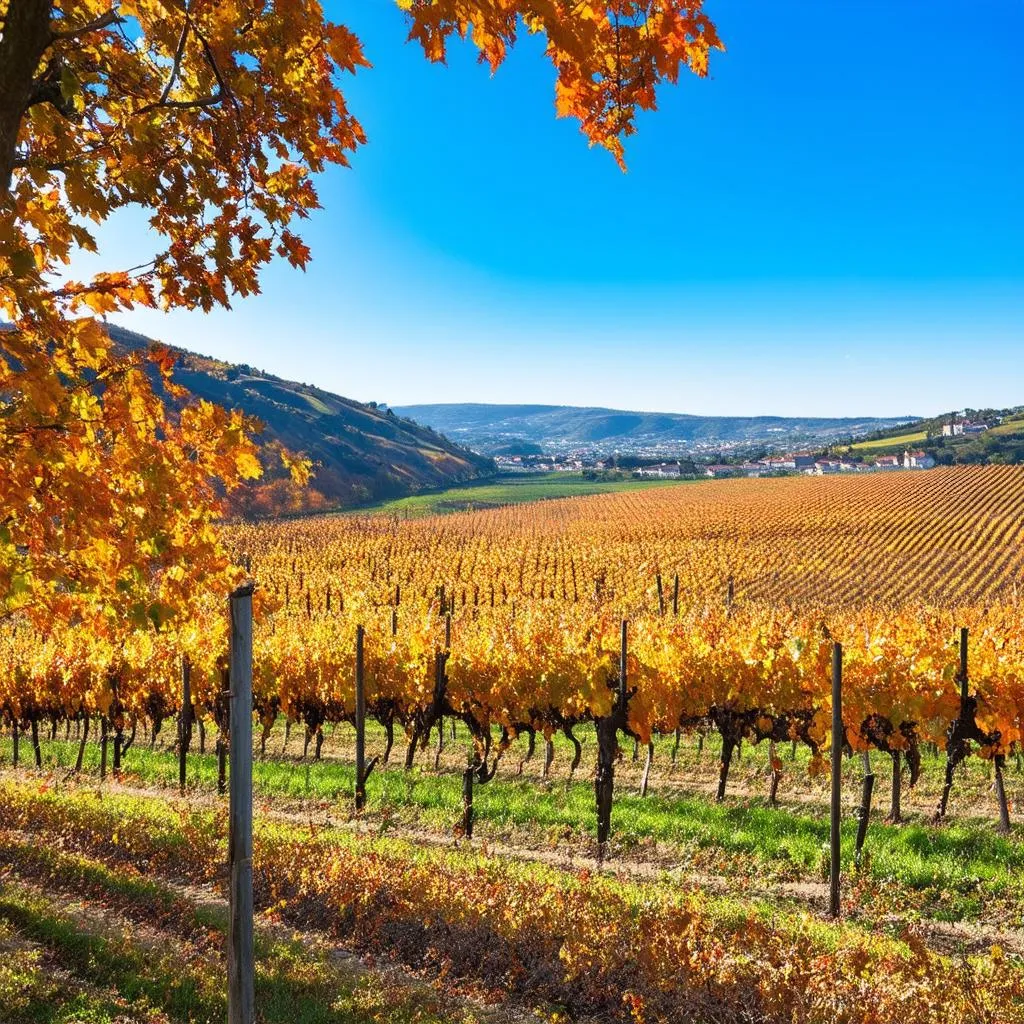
(496, 429)
(362, 453)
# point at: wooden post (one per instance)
(184, 721)
(675, 596)
(240, 932)
(360, 723)
(661, 596)
(837, 768)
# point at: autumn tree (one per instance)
(212, 116)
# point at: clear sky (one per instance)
(831, 224)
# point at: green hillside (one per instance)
(361, 453)
(1002, 443)
(510, 491)
(881, 445)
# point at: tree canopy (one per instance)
(213, 116)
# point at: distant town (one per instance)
(855, 457)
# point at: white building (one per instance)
(917, 460)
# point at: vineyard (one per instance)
(693, 622)
(512, 620)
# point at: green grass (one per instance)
(1015, 428)
(108, 973)
(900, 441)
(962, 869)
(506, 491)
(419, 900)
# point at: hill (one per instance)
(491, 428)
(1001, 444)
(362, 453)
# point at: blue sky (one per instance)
(831, 224)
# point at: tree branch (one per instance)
(176, 66)
(103, 21)
(203, 101)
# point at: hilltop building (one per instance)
(958, 428)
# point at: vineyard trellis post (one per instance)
(837, 768)
(362, 769)
(241, 996)
(360, 723)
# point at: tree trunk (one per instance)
(81, 747)
(35, 744)
(895, 812)
(1004, 810)
(577, 750)
(776, 775)
(864, 812)
(728, 745)
(25, 38)
(103, 748)
(222, 764)
(647, 769)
